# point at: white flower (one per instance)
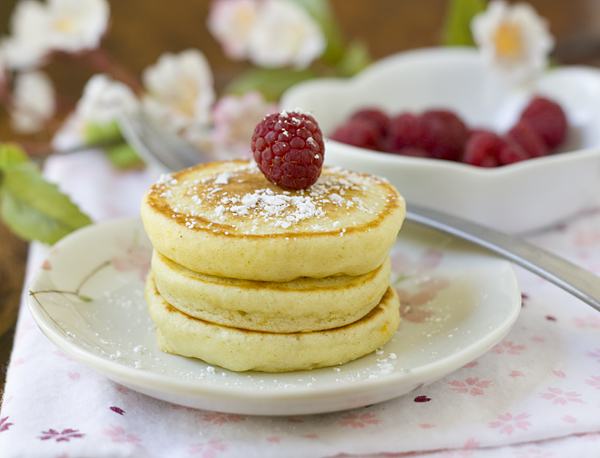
(33, 101)
(270, 33)
(234, 121)
(65, 25)
(104, 99)
(513, 38)
(28, 43)
(75, 25)
(180, 89)
(285, 34)
(231, 22)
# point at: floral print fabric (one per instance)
(535, 394)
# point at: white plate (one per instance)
(517, 198)
(88, 300)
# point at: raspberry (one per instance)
(375, 116)
(482, 149)
(404, 131)
(523, 134)
(444, 134)
(288, 148)
(511, 152)
(487, 149)
(358, 132)
(548, 119)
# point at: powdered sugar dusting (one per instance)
(165, 178)
(223, 178)
(221, 198)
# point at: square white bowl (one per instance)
(516, 198)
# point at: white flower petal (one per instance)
(104, 99)
(27, 44)
(76, 25)
(180, 89)
(231, 22)
(514, 39)
(33, 101)
(285, 34)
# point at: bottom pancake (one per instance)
(242, 350)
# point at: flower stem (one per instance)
(6, 97)
(101, 61)
(41, 151)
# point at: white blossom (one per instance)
(104, 99)
(180, 89)
(285, 34)
(513, 39)
(234, 121)
(27, 44)
(270, 33)
(231, 23)
(76, 25)
(33, 101)
(65, 25)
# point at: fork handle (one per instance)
(577, 281)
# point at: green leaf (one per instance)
(123, 157)
(321, 12)
(457, 24)
(271, 82)
(356, 58)
(10, 154)
(101, 133)
(35, 209)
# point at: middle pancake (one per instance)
(301, 305)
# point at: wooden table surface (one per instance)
(141, 30)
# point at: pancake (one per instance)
(304, 304)
(242, 350)
(226, 219)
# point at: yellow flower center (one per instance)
(509, 41)
(244, 20)
(63, 24)
(185, 100)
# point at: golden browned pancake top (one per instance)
(234, 198)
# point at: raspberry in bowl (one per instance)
(513, 183)
(442, 134)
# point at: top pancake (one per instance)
(226, 219)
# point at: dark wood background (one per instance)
(141, 30)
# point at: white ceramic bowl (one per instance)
(516, 198)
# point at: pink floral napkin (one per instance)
(536, 394)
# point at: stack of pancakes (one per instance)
(249, 276)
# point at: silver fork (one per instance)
(155, 144)
(172, 153)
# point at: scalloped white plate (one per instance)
(458, 302)
(517, 198)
